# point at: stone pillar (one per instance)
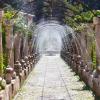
(17, 45)
(9, 41)
(26, 46)
(30, 19)
(96, 22)
(30, 22)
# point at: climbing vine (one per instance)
(93, 55)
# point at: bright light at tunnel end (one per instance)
(50, 35)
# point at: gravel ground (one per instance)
(52, 79)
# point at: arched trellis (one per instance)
(71, 45)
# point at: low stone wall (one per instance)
(11, 89)
(15, 84)
(90, 77)
(84, 68)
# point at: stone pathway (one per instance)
(52, 79)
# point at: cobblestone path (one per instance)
(52, 79)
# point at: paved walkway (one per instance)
(52, 79)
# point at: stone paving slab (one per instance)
(52, 79)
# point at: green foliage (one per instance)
(5, 60)
(80, 28)
(3, 38)
(2, 84)
(1, 64)
(76, 9)
(8, 15)
(93, 55)
(21, 25)
(1, 53)
(84, 17)
(97, 13)
(78, 18)
(5, 56)
(71, 22)
(9, 12)
(8, 8)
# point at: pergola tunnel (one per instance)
(60, 57)
(50, 49)
(50, 36)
